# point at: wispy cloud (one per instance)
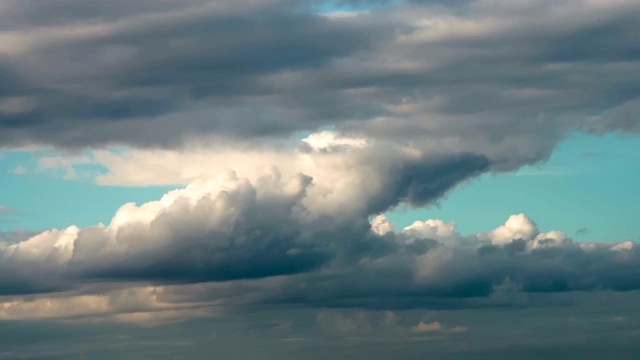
(582, 231)
(546, 172)
(4, 210)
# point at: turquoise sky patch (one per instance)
(588, 188)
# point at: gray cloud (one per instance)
(281, 241)
(582, 231)
(157, 60)
(530, 72)
(421, 97)
(566, 331)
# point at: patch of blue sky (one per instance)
(353, 5)
(589, 188)
(48, 200)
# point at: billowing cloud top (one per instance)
(278, 241)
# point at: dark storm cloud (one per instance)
(420, 184)
(83, 74)
(468, 280)
(155, 61)
(418, 181)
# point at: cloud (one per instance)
(18, 170)
(505, 81)
(278, 226)
(16, 235)
(423, 327)
(229, 227)
(130, 305)
(582, 231)
(295, 333)
(4, 210)
(125, 82)
(287, 240)
(291, 129)
(357, 322)
(394, 106)
(458, 329)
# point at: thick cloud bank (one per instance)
(229, 242)
(503, 80)
(393, 106)
(230, 227)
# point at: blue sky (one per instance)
(353, 6)
(44, 200)
(589, 183)
(588, 188)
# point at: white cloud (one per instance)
(432, 229)
(327, 140)
(305, 215)
(381, 225)
(18, 170)
(248, 243)
(423, 327)
(52, 245)
(132, 304)
(550, 239)
(626, 245)
(517, 227)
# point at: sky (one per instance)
(319, 179)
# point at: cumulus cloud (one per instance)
(274, 224)
(281, 240)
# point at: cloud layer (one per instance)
(503, 80)
(229, 242)
(290, 128)
(393, 106)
